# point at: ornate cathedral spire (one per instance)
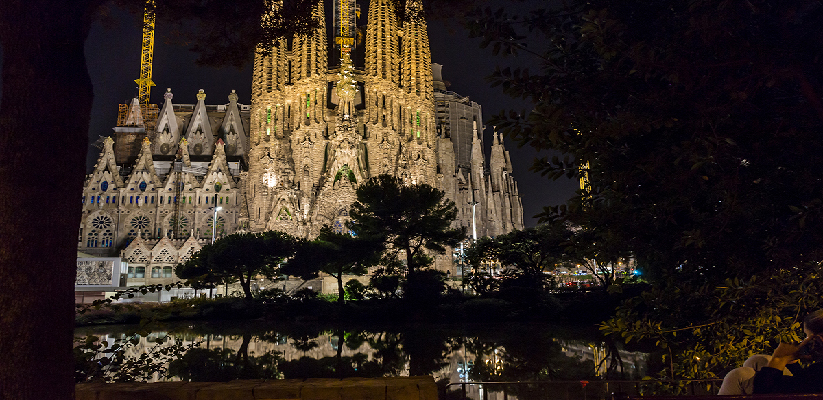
(270, 66)
(382, 55)
(168, 132)
(199, 133)
(417, 75)
(311, 59)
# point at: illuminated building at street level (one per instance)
(328, 111)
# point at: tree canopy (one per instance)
(336, 254)
(240, 257)
(697, 123)
(408, 218)
(532, 250)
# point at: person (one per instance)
(740, 381)
(808, 379)
(779, 373)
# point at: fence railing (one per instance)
(580, 390)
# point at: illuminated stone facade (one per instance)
(328, 112)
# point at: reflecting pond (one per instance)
(207, 352)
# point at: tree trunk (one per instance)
(340, 344)
(44, 122)
(341, 294)
(246, 285)
(409, 258)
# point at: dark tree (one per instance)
(223, 365)
(697, 123)
(336, 254)
(241, 257)
(532, 250)
(408, 218)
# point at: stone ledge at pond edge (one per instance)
(397, 388)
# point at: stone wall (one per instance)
(397, 388)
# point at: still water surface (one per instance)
(206, 352)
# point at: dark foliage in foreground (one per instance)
(578, 307)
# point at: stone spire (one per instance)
(497, 163)
(382, 55)
(416, 77)
(168, 132)
(270, 66)
(106, 169)
(199, 134)
(311, 61)
(135, 114)
(232, 129)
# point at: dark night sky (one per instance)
(113, 55)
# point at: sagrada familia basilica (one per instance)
(326, 114)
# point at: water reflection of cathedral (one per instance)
(457, 365)
(328, 111)
(632, 364)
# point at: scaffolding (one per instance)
(148, 112)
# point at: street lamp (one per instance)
(214, 223)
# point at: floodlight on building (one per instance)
(214, 223)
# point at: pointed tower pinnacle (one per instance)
(270, 65)
(199, 134)
(416, 77)
(135, 114)
(311, 58)
(382, 53)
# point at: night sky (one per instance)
(113, 55)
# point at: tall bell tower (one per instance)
(319, 131)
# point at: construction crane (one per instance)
(147, 53)
(141, 114)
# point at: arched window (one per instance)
(100, 235)
(140, 226)
(91, 238)
(106, 238)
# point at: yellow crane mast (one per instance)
(141, 114)
(147, 53)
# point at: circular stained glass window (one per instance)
(104, 186)
(140, 222)
(181, 223)
(217, 186)
(101, 222)
(143, 186)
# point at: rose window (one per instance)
(101, 222)
(180, 223)
(140, 222)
